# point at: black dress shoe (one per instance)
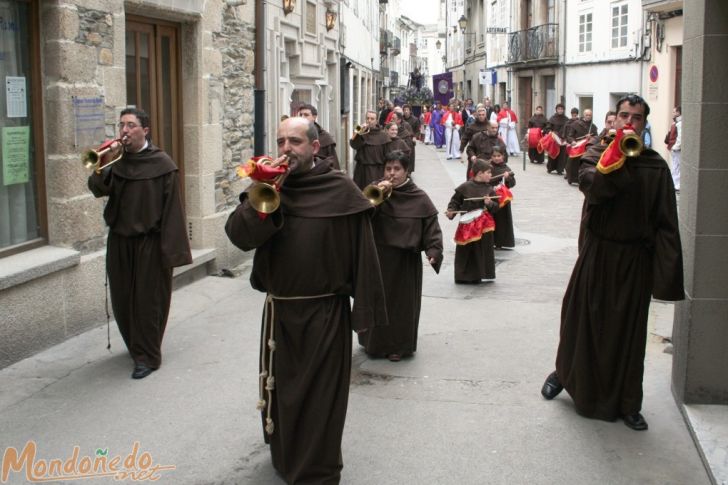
(551, 387)
(141, 371)
(635, 421)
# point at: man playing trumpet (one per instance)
(630, 252)
(313, 253)
(147, 238)
(370, 143)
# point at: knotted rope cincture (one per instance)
(267, 381)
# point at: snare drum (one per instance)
(472, 225)
(469, 217)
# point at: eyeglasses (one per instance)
(131, 125)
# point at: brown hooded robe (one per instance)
(631, 250)
(147, 238)
(404, 225)
(314, 253)
(474, 261)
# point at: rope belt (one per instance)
(267, 343)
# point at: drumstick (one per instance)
(484, 197)
(458, 212)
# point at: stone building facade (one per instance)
(72, 66)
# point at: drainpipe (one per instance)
(259, 90)
(563, 61)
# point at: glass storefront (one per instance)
(19, 217)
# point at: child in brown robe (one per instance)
(474, 256)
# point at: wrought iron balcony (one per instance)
(540, 43)
(396, 46)
(385, 40)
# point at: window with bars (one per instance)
(585, 32)
(619, 25)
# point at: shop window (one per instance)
(22, 187)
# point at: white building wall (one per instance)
(660, 94)
(601, 49)
(605, 83)
(600, 71)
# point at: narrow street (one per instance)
(465, 410)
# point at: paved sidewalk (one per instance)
(465, 410)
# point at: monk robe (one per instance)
(503, 236)
(557, 124)
(470, 131)
(474, 261)
(327, 148)
(481, 146)
(370, 150)
(396, 144)
(405, 133)
(577, 130)
(631, 250)
(414, 124)
(312, 255)
(147, 238)
(404, 225)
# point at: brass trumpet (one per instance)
(264, 197)
(93, 159)
(361, 130)
(377, 192)
(631, 145)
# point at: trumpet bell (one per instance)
(376, 194)
(90, 158)
(631, 145)
(264, 198)
(94, 159)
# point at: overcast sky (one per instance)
(422, 11)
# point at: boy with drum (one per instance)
(475, 200)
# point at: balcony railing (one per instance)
(535, 44)
(396, 46)
(385, 40)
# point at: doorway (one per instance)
(153, 81)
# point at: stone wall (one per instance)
(236, 42)
(81, 52)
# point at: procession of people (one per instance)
(337, 253)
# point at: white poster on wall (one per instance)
(16, 97)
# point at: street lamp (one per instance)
(463, 23)
(438, 44)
